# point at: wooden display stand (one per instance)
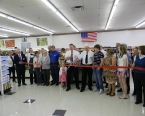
(5, 85)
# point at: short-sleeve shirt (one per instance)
(83, 57)
(54, 56)
(121, 61)
(75, 55)
(97, 58)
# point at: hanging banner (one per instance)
(9, 43)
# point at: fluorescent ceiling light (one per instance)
(112, 13)
(19, 21)
(14, 31)
(53, 8)
(50, 5)
(62, 17)
(23, 22)
(3, 15)
(3, 35)
(141, 24)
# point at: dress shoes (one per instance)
(82, 90)
(78, 87)
(90, 89)
(57, 84)
(138, 102)
(52, 84)
(69, 88)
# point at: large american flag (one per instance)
(89, 36)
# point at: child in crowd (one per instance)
(62, 75)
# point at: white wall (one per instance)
(131, 38)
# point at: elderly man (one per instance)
(87, 60)
(20, 60)
(54, 58)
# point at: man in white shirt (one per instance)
(70, 57)
(87, 60)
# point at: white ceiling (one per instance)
(93, 18)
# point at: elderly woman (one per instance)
(45, 61)
(139, 75)
(110, 74)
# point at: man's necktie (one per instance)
(71, 56)
(86, 60)
(20, 58)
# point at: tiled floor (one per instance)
(48, 99)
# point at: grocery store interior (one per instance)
(55, 28)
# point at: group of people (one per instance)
(65, 65)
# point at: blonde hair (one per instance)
(110, 52)
(123, 50)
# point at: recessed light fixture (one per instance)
(76, 8)
(53, 8)
(3, 35)
(14, 31)
(111, 14)
(24, 22)
(141, 24)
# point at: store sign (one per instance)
(10, 43)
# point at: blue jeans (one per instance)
(98, 78)
(38, 75)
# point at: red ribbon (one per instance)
(93, 66)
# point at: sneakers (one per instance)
(101, 91)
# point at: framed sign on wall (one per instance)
(10, 43)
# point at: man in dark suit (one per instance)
(20, 60)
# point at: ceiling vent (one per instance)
(76, 8)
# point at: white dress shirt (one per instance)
(75, 55)
(83, 57)
(10, 62)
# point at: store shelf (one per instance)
(4, 75)
(5, 69)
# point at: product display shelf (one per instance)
(5, 85)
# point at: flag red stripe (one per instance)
(92, 37)
(91, 34)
